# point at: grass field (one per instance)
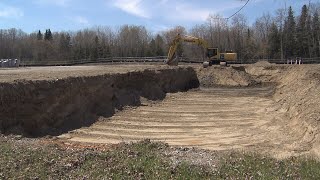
(142, 160)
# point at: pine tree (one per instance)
(309, 37)
(290, 35)
(316, 34)
(274, 46)
(39, 35)
(302, 33)
(48, 35)
(152, 48)
(159, 46)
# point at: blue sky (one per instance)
(156, 15)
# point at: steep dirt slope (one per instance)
(298, 95)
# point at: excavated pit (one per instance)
(51, 107)
(262, 107)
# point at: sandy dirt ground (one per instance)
(215, 119)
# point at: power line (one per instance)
(238, 10)
(235, 12)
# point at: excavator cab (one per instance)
(212, 52)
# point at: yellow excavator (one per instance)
(213, 56)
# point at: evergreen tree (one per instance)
(152, 48)
(48, 35)
(274, 48)
(309, 36)
(39, 35)
(159, 46)
(290, 35)
(302, 33)
(316, 34)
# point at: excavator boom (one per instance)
(178, 39)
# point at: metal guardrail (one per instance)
(157, 59)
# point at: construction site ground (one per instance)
(263, 108)
(214, 119)
(59, 72)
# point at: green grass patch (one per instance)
(143, 160)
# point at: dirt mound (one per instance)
(224, 76)
(55, 106)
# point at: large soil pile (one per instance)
(217, 76)
(53, 106)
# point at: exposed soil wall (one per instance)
(52, 107)
(297, 94)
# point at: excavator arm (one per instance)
(183, 38)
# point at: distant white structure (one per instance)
(6, 63)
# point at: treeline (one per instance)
(282, 35)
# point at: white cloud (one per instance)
(132, 7)
(62, 3)
(185, 12)
(159, 27)
(80, 20)
(178, 10)
(10, 12)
